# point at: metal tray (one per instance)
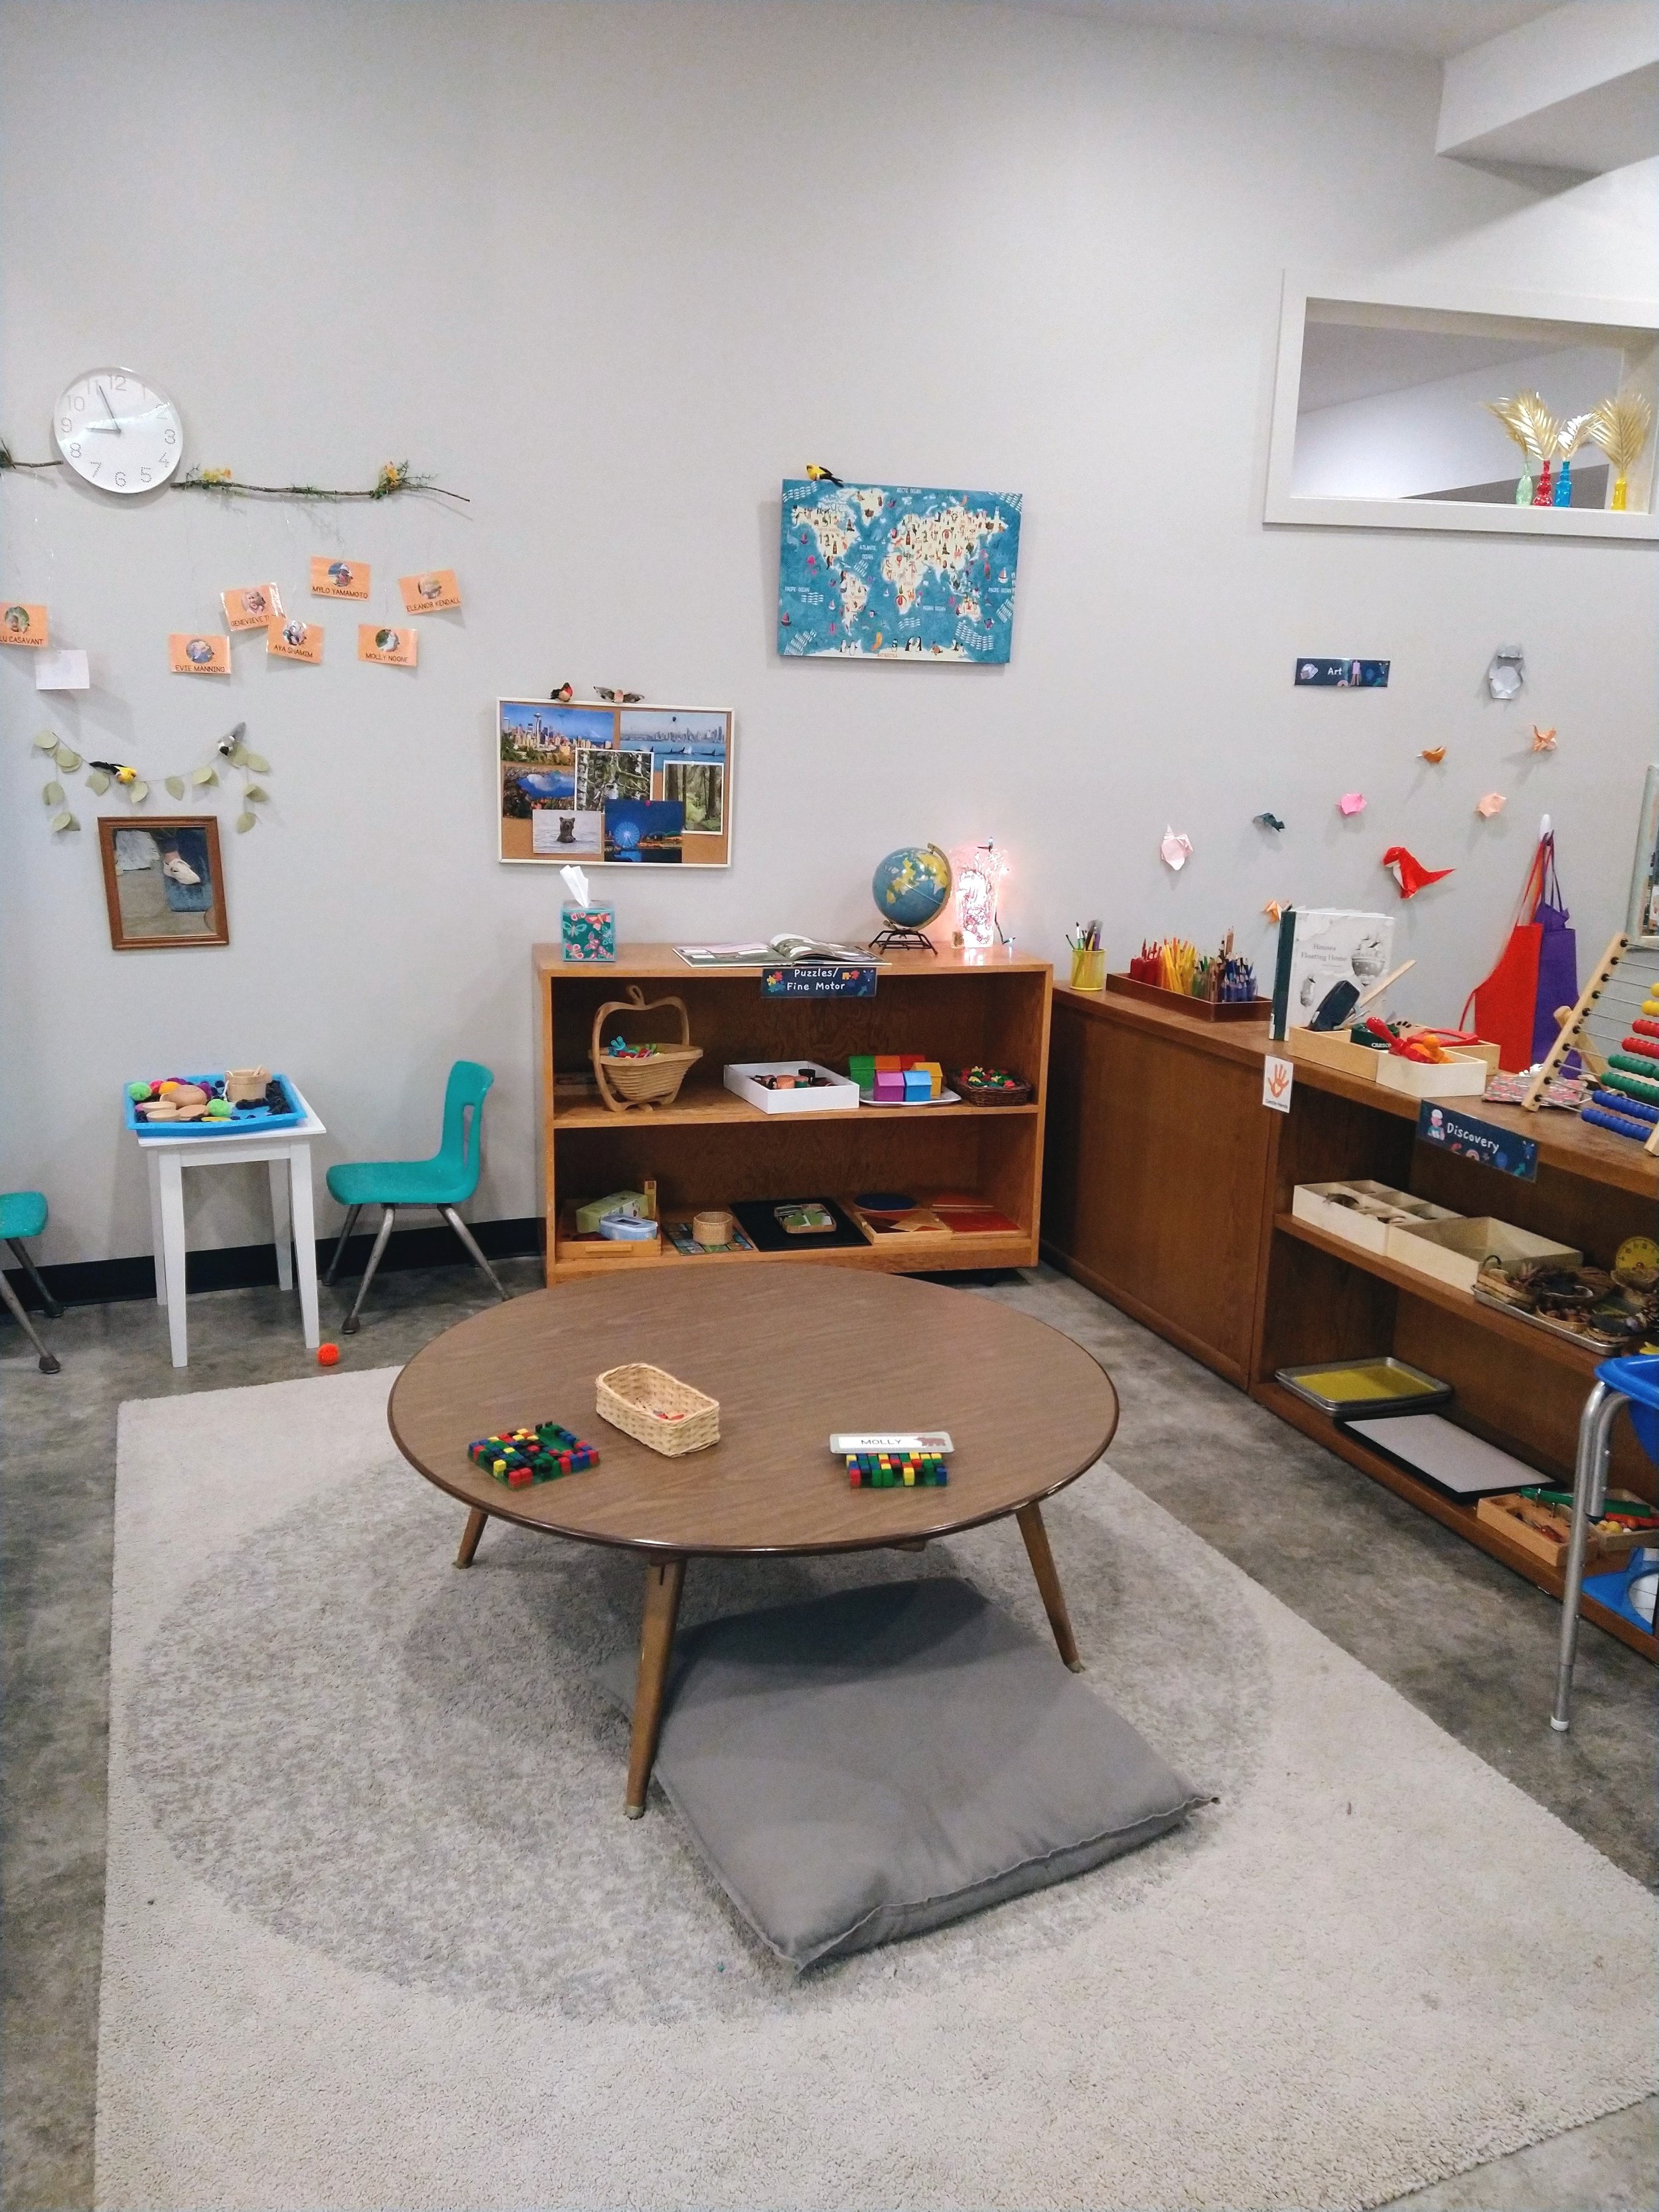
(1371, 1406)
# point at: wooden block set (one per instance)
(521, 1456)
(895, 1078)
(895, 1470)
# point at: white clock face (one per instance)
(118, 432)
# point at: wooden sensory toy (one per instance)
(895, 1470)
(520, 1456)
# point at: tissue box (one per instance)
(588, 933)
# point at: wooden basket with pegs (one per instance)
(653, 1081)
(658, 1410)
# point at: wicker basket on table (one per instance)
(979, 1093)
(658, 1410)
(654, 1080)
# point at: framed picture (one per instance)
(1642, 922)
(163, 881)
(614, 786)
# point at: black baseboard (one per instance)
(244, 1267)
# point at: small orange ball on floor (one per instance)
(328, 1355)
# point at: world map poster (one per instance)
(890, 572)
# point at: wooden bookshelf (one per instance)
(713, 1148)
(1169, 1191)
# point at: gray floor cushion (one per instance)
(878, 1763)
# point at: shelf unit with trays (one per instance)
(711, 1148)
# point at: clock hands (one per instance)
(108, 411)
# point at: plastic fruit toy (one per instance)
(328, 1355)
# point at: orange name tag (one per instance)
(338, 580)
(21, 624)
(393, 648)
(295, 641)
(195, 653)
(253, 608)
(430, 592)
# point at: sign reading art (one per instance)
(890, 572)
(614, 786)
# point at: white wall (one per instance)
(613, 271)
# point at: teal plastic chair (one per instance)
(447, 1180)
(23, 1213)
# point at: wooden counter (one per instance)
(1168, 1190)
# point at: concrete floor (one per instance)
(1459, 1636)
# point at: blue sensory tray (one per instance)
(243, 1121)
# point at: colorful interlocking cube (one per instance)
(521, 1456)
(895, 1470)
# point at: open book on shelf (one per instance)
(785, 951)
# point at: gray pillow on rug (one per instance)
(876, 1764)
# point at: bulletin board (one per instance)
(632, 786)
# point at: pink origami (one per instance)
(1353, 802)
(1176, 849)
(1493, 802)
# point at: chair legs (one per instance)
(388, 1214)
(471, 1244)
(1589, 1497)
(53, 1306)
(346, 1227)
(49, 1364)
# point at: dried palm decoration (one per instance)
(1620, 427)
(1534, 429)
(1569, 436)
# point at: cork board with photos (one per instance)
(612, 786)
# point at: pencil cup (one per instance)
(589, 933)
(1088, 970)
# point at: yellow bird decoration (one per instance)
(817, 473)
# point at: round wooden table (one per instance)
(794, 1354)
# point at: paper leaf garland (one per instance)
(47, 742)
(138, 791)
(255, 796)
(67, 759)
(176, 786)
(100, 774)
(1409, 872)
(52, 795)
(97, 782)
(246, 820)
(1353, 802)
(65, 821)
(1176, 849)
(202, 776)
(1493, 802)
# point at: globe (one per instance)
(911, 885)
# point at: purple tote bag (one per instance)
(1557, 958)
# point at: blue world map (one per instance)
(891, 572)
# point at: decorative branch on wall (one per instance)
(394, 477)
(230, 754)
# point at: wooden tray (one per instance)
(1237, 1010)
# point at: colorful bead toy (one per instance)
(895, 1470)
(521, 1456)
(1625, 1117)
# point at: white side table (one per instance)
(287, 1153)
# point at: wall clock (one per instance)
(119, 433)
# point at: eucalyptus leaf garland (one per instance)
(394, 477)
(232, 751)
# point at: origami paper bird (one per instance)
(1543, 741)
(817, 473)
(1176, 849)
(1409, 872)
(1433, 754)
(1275, 910)
(565, 692)
(1353, 802)
(1493, 802)
(1270, 821)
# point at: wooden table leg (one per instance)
(1029, 1518)
(475, 1528)
(664, 1580)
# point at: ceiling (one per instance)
(1434, 28)
(1349, 361)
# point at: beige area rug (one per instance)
(378, 1935)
